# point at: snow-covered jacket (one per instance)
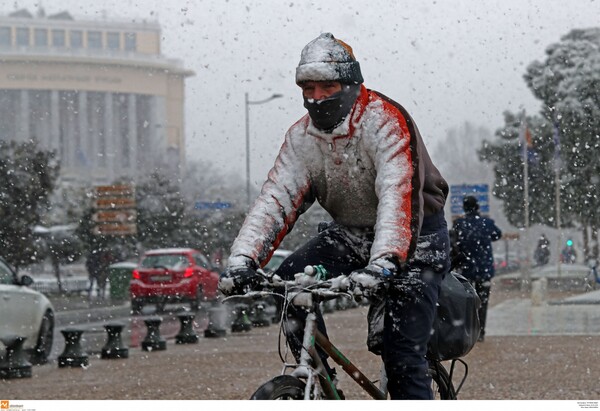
(372, 172)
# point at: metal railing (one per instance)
(69, 285)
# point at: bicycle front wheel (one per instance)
(283, 387)
(441, 384)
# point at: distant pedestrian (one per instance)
(97, 264)
(542, 251)
(568, 254)
(474, 236)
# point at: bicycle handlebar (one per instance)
(310, 283)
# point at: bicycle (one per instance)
(308, 379)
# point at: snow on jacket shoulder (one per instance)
(372, 172)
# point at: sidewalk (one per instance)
(575, 315)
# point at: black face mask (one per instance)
(329, 113)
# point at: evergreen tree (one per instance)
(27, 177)
(160, 212)
(508, 156)
(568, 84)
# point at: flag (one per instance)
(529, 153)
(528, 139)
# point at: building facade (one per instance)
(98, 93)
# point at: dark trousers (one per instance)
(409, 303)
(483, 288)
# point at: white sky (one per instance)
(446, 61)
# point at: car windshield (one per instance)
(6, 275)
(274, 262)
(170, 261)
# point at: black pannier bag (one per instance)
(456, 325)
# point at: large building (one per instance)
(99, 93)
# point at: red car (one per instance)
(173, 275)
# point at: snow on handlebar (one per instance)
(313, 279)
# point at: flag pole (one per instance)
(557, 192)
(525, 272)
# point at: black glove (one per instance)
(237, 280)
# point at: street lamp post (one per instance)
(247, 104)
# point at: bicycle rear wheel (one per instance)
(441, 384)
(282, 387)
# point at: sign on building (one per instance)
(479, 191)
(207, 205)
(115, 210)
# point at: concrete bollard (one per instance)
(15, 363)
(114, 347)
(153, 340)
(539, 289)
(73, 354)
(217, 316)
(186, 334)
(241, 321)
(260, 318)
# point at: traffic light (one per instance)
(569, 243)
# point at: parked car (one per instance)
(172, 275)
(276, 260)
(25, 313)
(503, 265)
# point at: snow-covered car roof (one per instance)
(171, 251)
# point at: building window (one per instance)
(5, 36)
(58, 38)
(76, 39)
(130, 41)
(94, 39)
(40, 37)
(22, 36)
(113, 41)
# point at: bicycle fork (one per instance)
(311, 366)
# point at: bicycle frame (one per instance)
(310, 364)
(309, 378)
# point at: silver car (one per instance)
(26, 313)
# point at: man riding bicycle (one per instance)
(360, 155)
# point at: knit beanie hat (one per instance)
(328, 59)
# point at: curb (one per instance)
(65, 318)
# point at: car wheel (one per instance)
(136, 306)
(43, 348)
